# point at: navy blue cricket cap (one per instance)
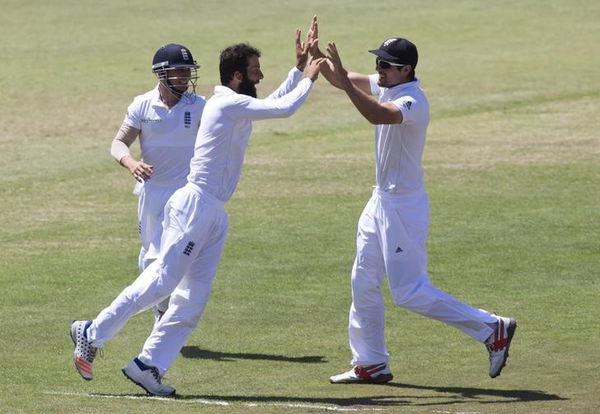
(398, 50)
(173, 56)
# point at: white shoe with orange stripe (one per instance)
(498, 344)
(85, 352)
(364, 374)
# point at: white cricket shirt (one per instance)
(226, 126)
(399, 147)
(167, 135)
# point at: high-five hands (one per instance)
(313, 36)
(314, 66)
(335, 63)
(304, 48)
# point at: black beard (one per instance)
(247, 87)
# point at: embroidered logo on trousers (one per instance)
(398, 250)
(188, 249)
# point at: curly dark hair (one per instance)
(235, 59)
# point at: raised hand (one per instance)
(314, 66)
(313, 39)
(301, 51)
(336, 66)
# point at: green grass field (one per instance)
(512, 168)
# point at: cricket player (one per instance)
(392, 229)
(195, 222)
(166, 119)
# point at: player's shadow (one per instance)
(468, 394)
(198, 353)
(441, 396)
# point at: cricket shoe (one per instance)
(498, 344)
(148, 378)
(85, 352)
(364, 374)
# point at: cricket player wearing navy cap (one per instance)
(166, 120)
(195, 222)
(392, 229)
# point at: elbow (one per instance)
(375, 120)
(382, 119)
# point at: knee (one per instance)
(186, 311)
(409, 293)
(365, 292)
(185, 315)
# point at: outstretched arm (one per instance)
(283, 106)
(373, 111)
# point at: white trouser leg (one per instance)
(186, 306)
(366, 319)
(151, 212)
(403, 233)
(188, 226)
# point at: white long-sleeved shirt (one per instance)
(399, 147)
(225, 129)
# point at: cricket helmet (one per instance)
(173, 56)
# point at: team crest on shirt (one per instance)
(187, 119)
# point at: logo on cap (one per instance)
(184, 54)
(389, 41)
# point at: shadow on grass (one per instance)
(443, 395)
(464, 394)
(197, 353)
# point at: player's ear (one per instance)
(238, 76)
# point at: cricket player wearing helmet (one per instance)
(195, 223)
(166, 119)
(392, 229)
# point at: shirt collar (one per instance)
(156, 101)
(406, 85)
(223, 90)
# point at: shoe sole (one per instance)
(139, 384)
(73, 336)
(380, 379)
(510, 331)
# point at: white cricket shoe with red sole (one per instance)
(498, 344)
(365, 374)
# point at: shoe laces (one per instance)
(156, 375)
(91, 352)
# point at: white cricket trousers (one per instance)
(194, 232)
(151, 209)
(391, 240)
